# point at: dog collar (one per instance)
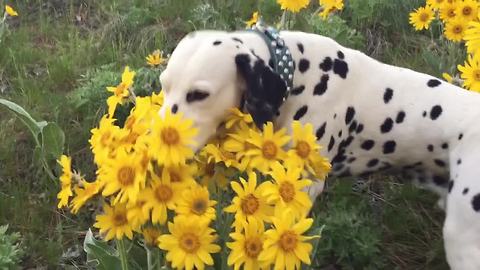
(279, 53)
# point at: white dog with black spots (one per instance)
(369, 116)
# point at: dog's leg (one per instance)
(315, 189)
(461, 231)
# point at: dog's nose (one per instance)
(174, 108)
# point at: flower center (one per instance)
(199, 206)
(288, 241)
(287, 191)
(120, 219)
(163, 193)
(120, 89)
(424, 17)
(189, 242)
(249, 204)
(126, 175)
(457, 29)
(253, 247)
(476, 75)
(170, 136)
(451, 13)
(303, 149)
(269, 150)
(175, 178)
(130, 122)
(104, 138)
(467, 11)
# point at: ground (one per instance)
(60, 55)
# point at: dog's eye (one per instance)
(196, 95)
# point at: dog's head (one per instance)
(210, 72)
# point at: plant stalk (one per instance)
(123, 253)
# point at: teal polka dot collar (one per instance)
(280, 55)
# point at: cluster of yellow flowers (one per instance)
(461, 24)
(152, 184)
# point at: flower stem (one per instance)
(123, 254)
(149, 258)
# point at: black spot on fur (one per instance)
(300, 47)
(430, 148)
(387, 125)
(476, 203)
(217, 42)
(340, 68)
(400, 117)
(434, 83)
(349, 115)
(297, 90)
(303, 65)
(465, 191)
(459, 161)
(327, 64)
(460, 136)
(300, 113)
(424, 114)
(331, 143)
(321, 131)
(322, 86)
(351, 160)
(237, 40)
(174, 108)
(439, 162)
(435, 112)
(359, 128)
(372, 163)
(387, 96)
(445, 145)
(389, 147)
(352, 127)
(439, 180)
(367, 145)
(340, 55)
(337, 167)
(334, 116)
(450, 186)
(340, 134)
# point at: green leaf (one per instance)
(100, 254)
(53, 140)
(34, 126)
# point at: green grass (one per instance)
(61, 54)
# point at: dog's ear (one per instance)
(264, 89)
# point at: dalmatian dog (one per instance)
(369, 116)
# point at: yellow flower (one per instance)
(246, 247)
(155, 59)
(252, 20)
(121, 91)
(65, 181)
(472, 37)
(467, 9)
(123, 174)
(330, 6)
(157, 99)
(137, 214)
(10, 11)
(435, 4)
(84, 193)
(286, 246)
(447, 77)
(470, 73)
(114, 222)
(236, 117)
(286, 191)
(151, 235)
(104, 139)
(181, 174)
(250, 203)
(195, 201)
(170, 139)
(160, 196)
(189, 244)
(304, 149)
(268, 148)
(421, 18)
(455, 29)
(293, 5)
(448, 11)
(218, 154)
